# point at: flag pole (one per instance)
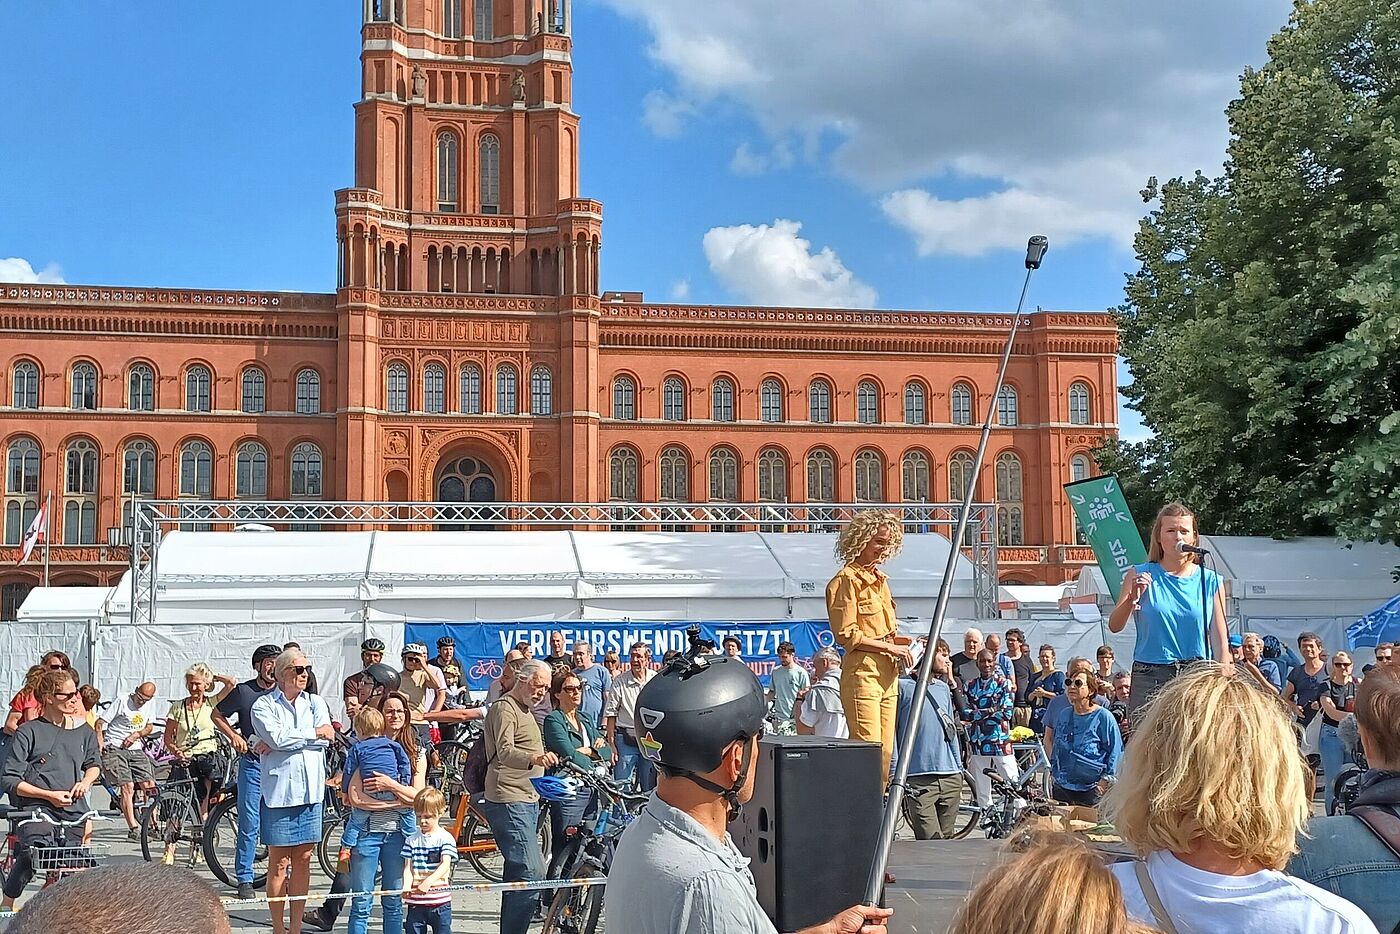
(48, 517)
(875, 883)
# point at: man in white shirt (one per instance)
(819, 713)
(620, 712)
(123, 761)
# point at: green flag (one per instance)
(1103, 514)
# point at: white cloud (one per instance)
(748, 161)
(1001, 220)
(1067, 107)
(680, 290)
(16, 269)
(772, 265)
(665, 115)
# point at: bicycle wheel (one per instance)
(575, 910)
(328, 850)
(479, 846)
(164, 822)
(967, 814)
(452, 758)
(221, 846)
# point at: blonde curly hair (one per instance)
(862, 528)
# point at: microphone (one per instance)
(1191, 549)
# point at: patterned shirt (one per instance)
(990, 704)
(424, 853)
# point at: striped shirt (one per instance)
(425, 852)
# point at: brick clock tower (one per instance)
(467, 276)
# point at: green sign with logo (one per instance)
(1103, 514)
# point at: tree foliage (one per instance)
(1262, 327)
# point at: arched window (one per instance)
(22, 461)
(772, 476)
(452, 19)
(306, 471)
(959, 475)
(870, 477)
(1008, 415)
(819, 401)
(197, 389)
(867, 403)
(447, 171)
(724, 476)
(141, 388)
(506, 390)
(254, 390)
(1078, 404)
(196, 470)
(434, 389)
(11, 598)
(1079, 469)
(396, 384)
(914, 478)
(308, 392)
(138, 475)
(673, 399)
(80, 493)
(484, 20)
(771, 401)
(469, 388)
(624, 403)
(915, 404)
(961, 398)
(250, 479)
(489, 173)
(821, 477)
(722, 400)
(26, 387)
(541, 391)
(624, 480)
(1010, 513)
(675, 475)
(84, 386)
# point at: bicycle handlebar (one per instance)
(38, 816)
(604, 784)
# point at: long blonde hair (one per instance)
(1172, 511)
(1058, 885)
(862, 528)
(1216, 759)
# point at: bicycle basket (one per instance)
(50, 858)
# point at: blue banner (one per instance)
(481, 646)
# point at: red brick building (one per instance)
(469, 353)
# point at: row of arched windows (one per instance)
(433, 395)
(820, 407)
(141, 388)
(449, 173)
(194, 479)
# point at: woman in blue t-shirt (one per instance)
(1169, 593)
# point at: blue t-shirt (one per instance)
(1170, 625)
(596, 683)
(376, 754)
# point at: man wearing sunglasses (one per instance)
(1385, 656)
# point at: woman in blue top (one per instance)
(1086, 746)
(1166, 592)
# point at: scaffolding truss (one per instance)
(151, 519)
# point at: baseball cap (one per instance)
(1236, 641)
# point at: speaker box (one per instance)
(811, 827)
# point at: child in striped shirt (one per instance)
(428, 856)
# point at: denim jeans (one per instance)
(1334, 757)
(249, 798)
(565, 814)
(513, 825)
(425, 918)
(376, 851)
(629, 760)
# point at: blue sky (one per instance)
(891, 153)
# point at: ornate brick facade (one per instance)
(469, 353)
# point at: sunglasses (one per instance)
(1341, 664)
(1079, 683)
(301, 669)
(573, 690)
(64, 695)
(1383, 658)
(58, 666)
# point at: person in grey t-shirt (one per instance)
(676, 870)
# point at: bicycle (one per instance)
(1013, 801)
(969, 813)
(56, 857)
(588, 853)
(172, 817)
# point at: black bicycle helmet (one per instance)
(693, 709)
(384, 676)
(372, 645)
(263, 652)
(446, 640)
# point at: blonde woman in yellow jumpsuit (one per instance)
(861, 611)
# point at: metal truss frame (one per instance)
(151, 519)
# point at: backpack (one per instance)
(474, 771)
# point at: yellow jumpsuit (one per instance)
(859, 605)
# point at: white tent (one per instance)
(220, 594)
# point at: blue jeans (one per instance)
(1334, 757)
(249, 798)
(565, 814)
(376, 852)
(514, 827)
(425, 918)
(629, 760)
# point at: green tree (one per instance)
(1262, 327)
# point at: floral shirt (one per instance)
(990, 704)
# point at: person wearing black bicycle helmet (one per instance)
(362, 684)
(236, 705)
(676, 868)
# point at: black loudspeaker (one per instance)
(811, 827)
